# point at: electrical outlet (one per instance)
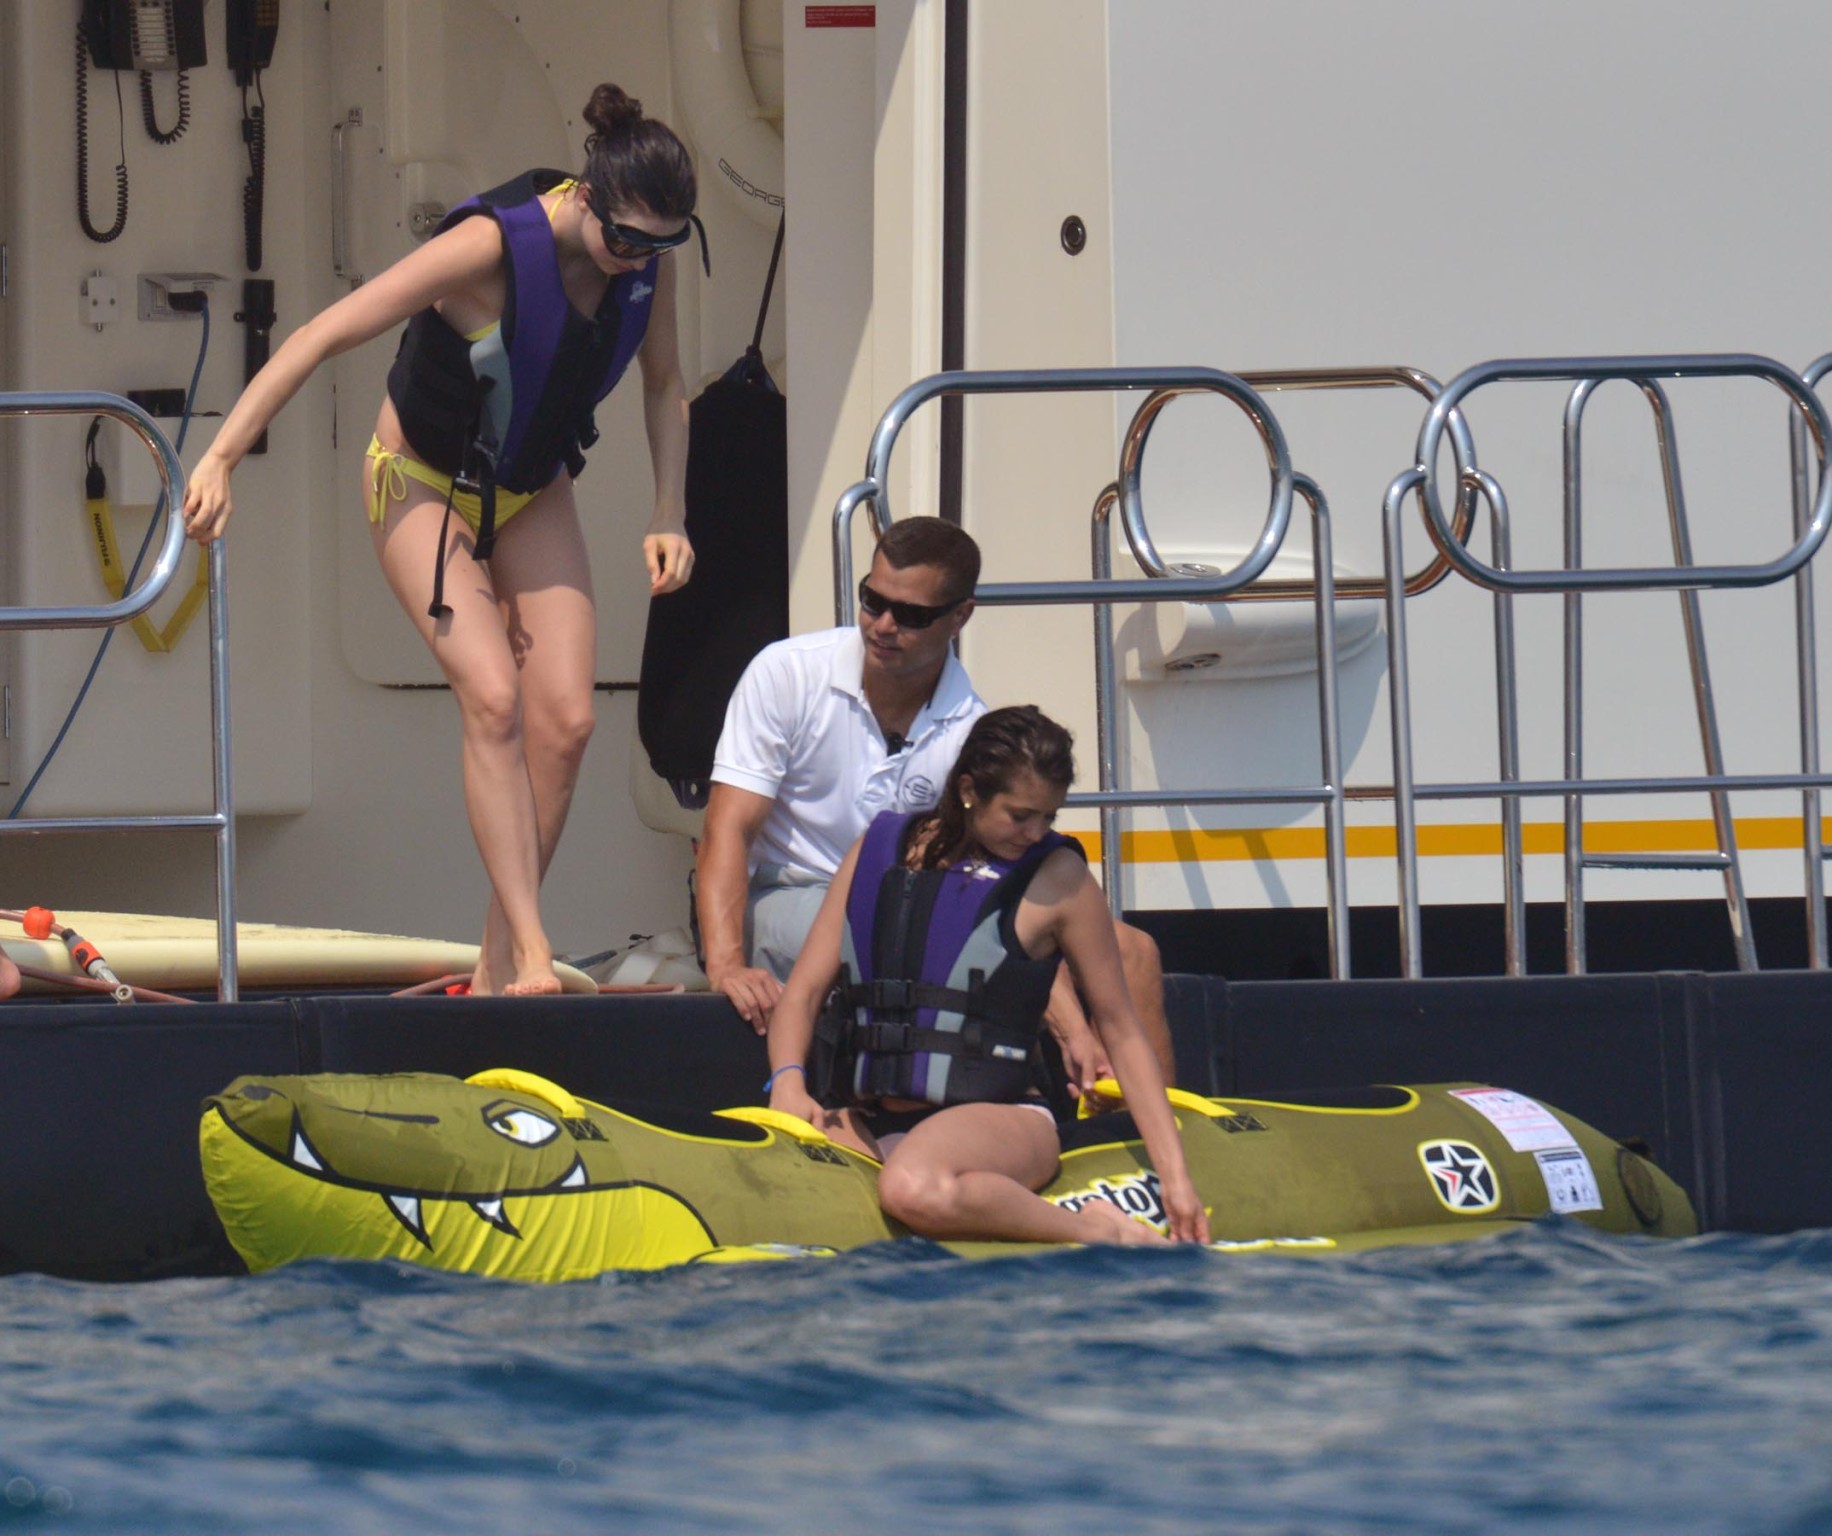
(159, 289)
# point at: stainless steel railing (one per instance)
(1111, 800)
(1571, 581)
(1162, 584)
(221, 820)
(1641, 371)
(1577, 860)
(1807, 681)
(1443, 426)
(1308, 379)
(873, 491)
(1323, 589)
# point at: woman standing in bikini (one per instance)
(522, 314)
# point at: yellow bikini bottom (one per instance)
(387, 474)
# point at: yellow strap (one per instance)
(114, 578)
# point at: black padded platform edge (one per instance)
(1721, 1075)
(99, 1104)
(99, 1176)
(692, 1051)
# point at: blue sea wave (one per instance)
(1547, 1380)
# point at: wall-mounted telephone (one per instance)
(249, 36)
(149, 35)
(141, 35)
(251, 27)
(145, 34)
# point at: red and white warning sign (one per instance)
(1526, 1123)
(840, 16)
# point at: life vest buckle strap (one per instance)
(893, 994)
(896, 994)
(477, 476)
(974, 1039)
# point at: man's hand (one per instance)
(721, 879)
(753, 992)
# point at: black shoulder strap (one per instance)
(749, 369)
(769, 285)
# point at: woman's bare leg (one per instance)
(973, 1172)
(474, 653)
(543, 584)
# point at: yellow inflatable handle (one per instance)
(792, 1126)
(517, 1081)
(1180, 1098)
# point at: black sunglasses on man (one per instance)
(904, 615)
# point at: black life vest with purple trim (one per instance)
(937, 1000)
(525, 393)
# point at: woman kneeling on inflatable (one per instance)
(910, 1024)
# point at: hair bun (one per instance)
(611, 113)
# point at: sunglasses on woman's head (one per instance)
(628, 243)
(903, 615)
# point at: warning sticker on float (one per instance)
(1571, 1183)
(1526, 1123)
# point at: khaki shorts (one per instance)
(782, 907)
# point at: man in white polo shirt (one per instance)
(822, 733)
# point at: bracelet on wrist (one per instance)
(792, 1066)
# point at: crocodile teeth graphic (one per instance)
(492, 1212)
(406, 1210)
(575, 1177)
(303, 1154)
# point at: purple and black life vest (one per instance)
(518, 404)
(937, 1000)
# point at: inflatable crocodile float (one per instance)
(507, 1174)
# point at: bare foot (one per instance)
(495, 956)
(1106, 1223)
(537, 979)
(10, 979)
(534, 975)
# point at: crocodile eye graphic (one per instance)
(522, 1125)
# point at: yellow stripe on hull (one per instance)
(1446, 840)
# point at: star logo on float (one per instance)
(1460, 1176)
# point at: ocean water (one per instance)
(1551, 1379)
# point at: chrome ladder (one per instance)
(221, 819)
(1573, 580)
